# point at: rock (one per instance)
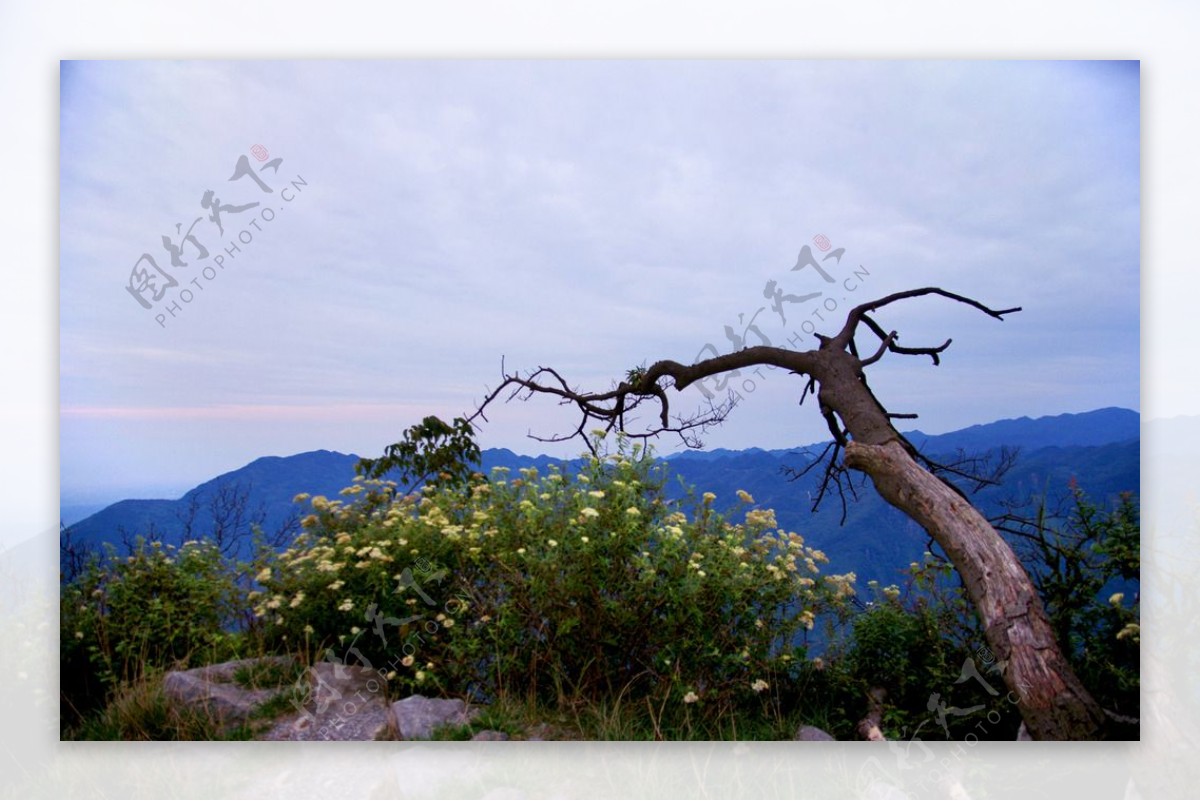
(344, 702)
(213, 691)
(415, 717)
(490, 735)
(812, 734)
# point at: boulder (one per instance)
(343, 702)
(211, 690)
(415, 717)
(812, 734)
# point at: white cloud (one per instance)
(588, 215)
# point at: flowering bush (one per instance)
(561, 588)
(155, 608)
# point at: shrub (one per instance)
(919, 644)
(1085, 563)
(893, 648)
(155, 608)
(904, 649)
(562, 588)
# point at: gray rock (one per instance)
(490, 735)
(812, 734)
(344, 702)
(211, 690)
(415, 717)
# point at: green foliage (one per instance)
(896, 649)
(432, 451)
(288, 700)
(1117, 535)
(913, 644)
(561, 589)
(1075, 561)
(156, 608)
(1105, 634)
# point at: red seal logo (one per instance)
(822, 242)
(259, 152)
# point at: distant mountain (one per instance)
(717, 453)
(261, 492)
(1100, 450)
(1100, 427)
(69, 513)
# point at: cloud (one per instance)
(589, 215)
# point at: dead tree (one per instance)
(1052, 701)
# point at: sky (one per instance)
(429, 221)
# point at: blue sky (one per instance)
(588, 215)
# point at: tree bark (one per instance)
(1052, 701)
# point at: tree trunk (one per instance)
(1052, 701)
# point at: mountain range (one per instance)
(1099, 451)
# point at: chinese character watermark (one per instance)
(152, 284)
(924, 769)
(786, 298)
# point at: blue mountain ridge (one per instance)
(1100, 450)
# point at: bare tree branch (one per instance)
(833, 368)
(857, 314)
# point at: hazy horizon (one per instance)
(98, 499)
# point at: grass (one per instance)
(606, 719)
(140, 711)
(268, 673)
(280, 703)
(511, 719)
(449, 732)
